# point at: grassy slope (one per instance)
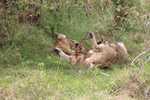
(35, 82)
(40, 75)
(28, 71)
(59, 83)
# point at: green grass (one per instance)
(29, 71)
(38, 82)
(57, 80)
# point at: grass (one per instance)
(46, 77)
(38, 81)
(41, 81)
(29, 71)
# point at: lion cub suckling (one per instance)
(67, 45)
(103, 54)
(69, 49)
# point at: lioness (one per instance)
(103, 54)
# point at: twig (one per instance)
(141, 54)
(83, 38)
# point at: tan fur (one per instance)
(64, 43)
(104, 57)
(68, 46)
(110, 52)
(104, 54)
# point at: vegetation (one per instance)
(28, 69)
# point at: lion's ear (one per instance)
(90, 35)
(76, 45)
(56, 51)
(99, 42)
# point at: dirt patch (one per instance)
(134, 89)
(7, 94)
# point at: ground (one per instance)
(39, 82)
(30, 71)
